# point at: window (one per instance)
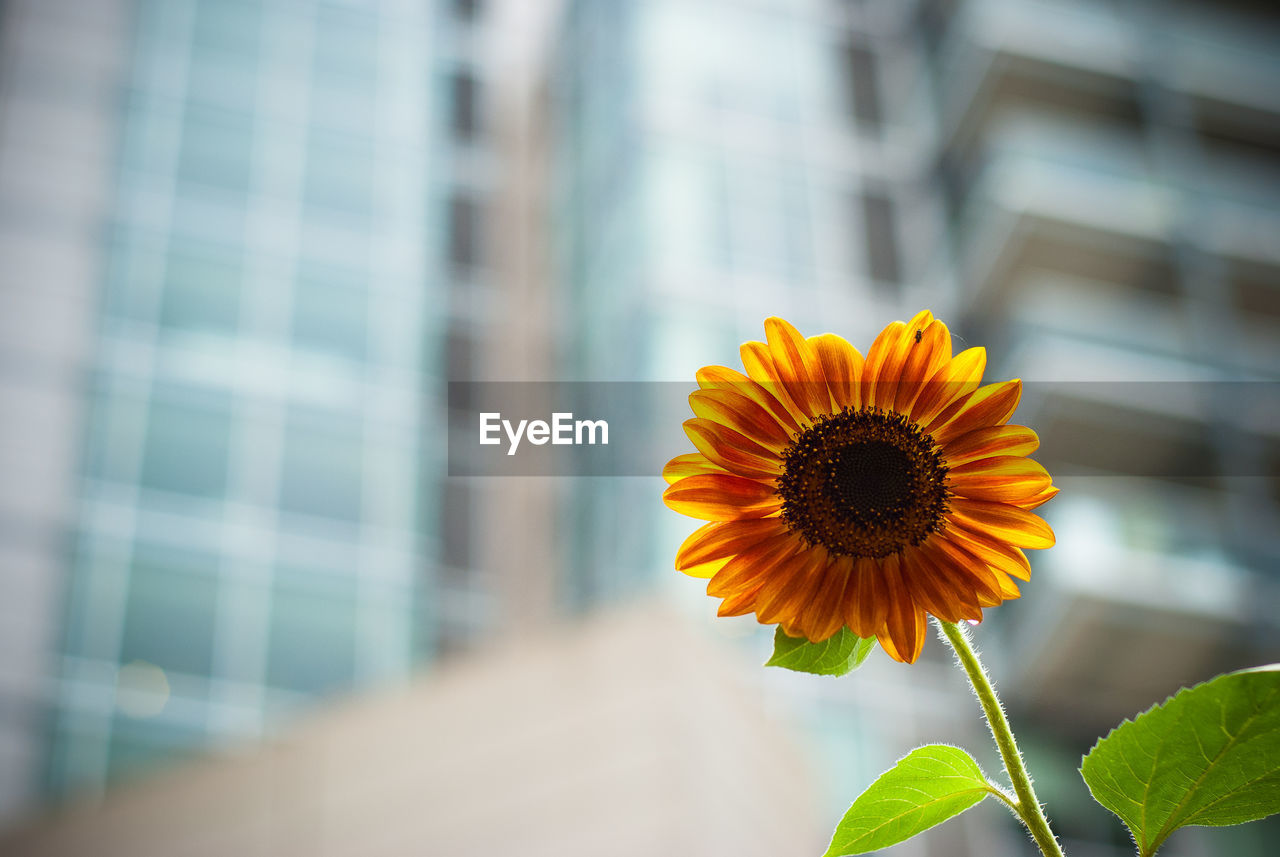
(339, 172)
(322, 465)
(329, 311)
(883, 264)
(170, 610)
(346, 46)
(862, 86)
(313, 622)
(217, 148)
(202, 287)
(464, 231)
(465, 97)
(187, 442)
(225, 43)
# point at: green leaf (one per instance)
(1210, 755)
(838, 655)
(925, 787)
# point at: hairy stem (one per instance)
(1028, 806)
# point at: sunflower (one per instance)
(844, 491)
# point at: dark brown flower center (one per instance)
(864, 483)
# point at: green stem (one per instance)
(1027, 806)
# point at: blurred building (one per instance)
(1091, 190)
(235, 235)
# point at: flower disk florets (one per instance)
(863, 483)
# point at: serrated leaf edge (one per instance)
(1275, 667)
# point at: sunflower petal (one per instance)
(732, 450)
(1038, 500)
(689, 464)
(739, 603)
(869, 604)
(791, 586)
(724, 378)
(928, 350)
(757, 359)
(986, 406)
(904, 624)
(750, 569)
(712, 497)
(964, 569)
(884, 363)
(823, 616)
(798, 367)
(957, 378)
(997, 554)
(734, 410)
(842, 366)
(988, 441)
(1015, 526)
(932, 590)
(1001, 478)
(720, 539)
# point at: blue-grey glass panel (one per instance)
(339, 171)
(330, 311)
(170, 610)
(202, 286)
(187, 440)
(217, 147)
(223, 63)
(346, 45)
(313, 622)
(230, 26)
(321, 473)
(116, 422)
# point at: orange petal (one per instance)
(825, 613)
(790, 587)
(743, 415)
(739, 603)
(986, 406)
(757, 359)
(997, 554)
(725, 538)
(957, 378)
(712, 497)
(732, 450)
(1038, 500)
(842, 367)
(884, 364)
(722, 377)
(689, 464)
(928, 350)
(987, 441)
(751, 568)
(867, 602)
(798, 367)
(964, 568)
(1001, 520)
(1001, 478)
(931, 589)
(904, 624)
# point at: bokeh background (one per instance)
(245, 244)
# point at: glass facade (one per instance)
(251, 522)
